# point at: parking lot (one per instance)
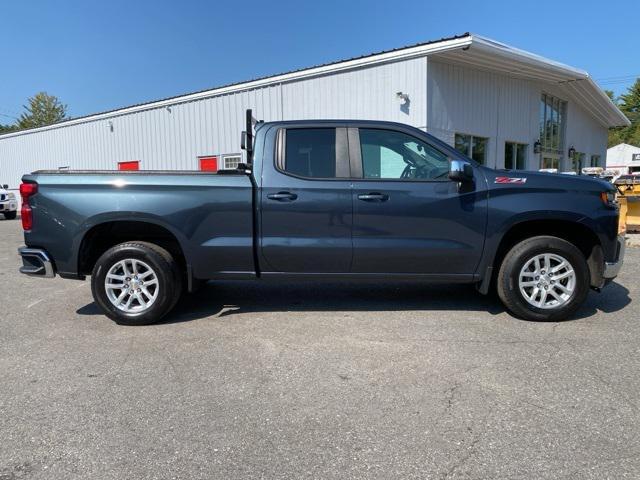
(252, 380)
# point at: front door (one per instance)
(306, 207)
(409, 218)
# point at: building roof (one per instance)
(468, 48)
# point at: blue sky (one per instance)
(100, 55)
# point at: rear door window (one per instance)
(310, 152)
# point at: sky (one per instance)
(101, 55)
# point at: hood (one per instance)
(531, 179)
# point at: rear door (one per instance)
(306, 202)
(409, 218)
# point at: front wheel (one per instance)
(543, 278)
(136, 283)
(11, 215)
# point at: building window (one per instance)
(595, 160)
(474, 147)
(552, 127)
(208, 163)
(231, 162)
(549, 162)
(132, 165)
(515, 156)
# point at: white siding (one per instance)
(366, 94)
(443, 97)
(173, 137)
(467, 100)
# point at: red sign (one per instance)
(208, 164)
(132, 165)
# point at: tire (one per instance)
(162, 291)
(517, 282)
(11, 215)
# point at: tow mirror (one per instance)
(460, 171)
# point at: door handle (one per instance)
(282, 196)
(373, 197)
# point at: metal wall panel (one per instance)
(173, 137)
(467, 100)
(367, 94)
(444, 97)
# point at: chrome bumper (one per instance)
(611, 269)
(36, 263)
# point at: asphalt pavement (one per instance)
(311, 380)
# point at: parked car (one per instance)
(325, 200)
(8, 204)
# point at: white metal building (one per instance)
(624, 159)
(503, 106)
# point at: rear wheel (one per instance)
(11, 215)
(543, 278)
(136, 283)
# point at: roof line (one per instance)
(403, 53)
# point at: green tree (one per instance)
(43, 109)
(629, 103)
(7, 128)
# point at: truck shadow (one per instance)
(223, 299)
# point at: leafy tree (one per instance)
(7, 128)
(629, 103)
(43, 109)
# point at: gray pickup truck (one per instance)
(325, 200)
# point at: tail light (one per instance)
(26, 191)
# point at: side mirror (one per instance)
(460, 171)
(5, 186)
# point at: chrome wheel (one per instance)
(131, 285)
(547, 281)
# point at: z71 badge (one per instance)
(510, 180)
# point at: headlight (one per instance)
(11, 196)
(609, 199)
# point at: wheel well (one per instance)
(576, 233)
(102, 237)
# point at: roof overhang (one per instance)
(490, 55)
(469, 49)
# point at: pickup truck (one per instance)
(8, 204)
(325, 200)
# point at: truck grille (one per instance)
(2, 197)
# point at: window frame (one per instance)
(357, 165)
(514, 158)
(471, 137)
(227, 156)
(342, 164)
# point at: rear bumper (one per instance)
(611, 269)
(36, 263)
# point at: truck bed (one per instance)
(209, 214)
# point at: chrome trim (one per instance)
(46, 265)
(611, 269)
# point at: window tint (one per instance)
(394, 155)
(311, 152)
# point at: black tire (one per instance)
(515, 260)
(11, 215)
(167, 273)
